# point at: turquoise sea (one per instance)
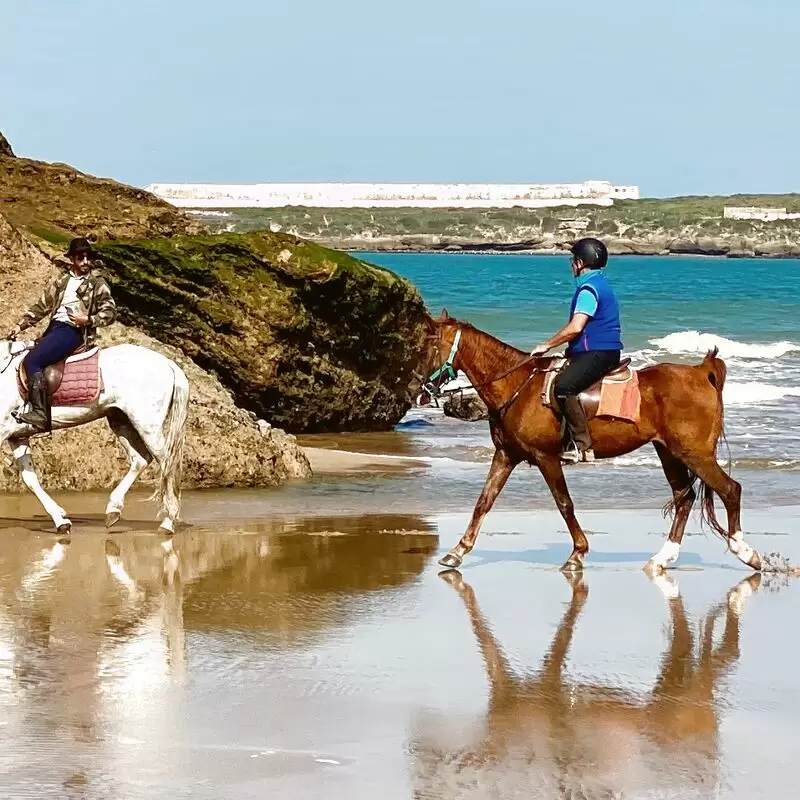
(673, 309)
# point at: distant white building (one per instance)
(392, 195)
(754, 212)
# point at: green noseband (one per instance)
(447, 369)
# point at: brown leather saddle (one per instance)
(590, 399)
(54, 374)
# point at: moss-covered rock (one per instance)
(309, 338)
(225, 446)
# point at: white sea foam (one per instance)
(691, 342)
(753, 393)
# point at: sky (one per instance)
(677, 96)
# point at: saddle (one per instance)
(75, 380)
(616, 394)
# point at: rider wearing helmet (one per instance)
(593, 338)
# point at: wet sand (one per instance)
(332, 461)
(322, 655)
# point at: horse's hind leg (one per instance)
(553, 473)
(139, 456)
(683, 496)
(154, 441)
(502, 467)
(24, 460)
(714, 477)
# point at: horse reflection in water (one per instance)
(546, 736)
(86, 644)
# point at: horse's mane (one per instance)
(501, 350)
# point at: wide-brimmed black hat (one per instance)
(79, 246)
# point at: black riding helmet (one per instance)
(592, 252)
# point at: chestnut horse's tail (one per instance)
(717, 372)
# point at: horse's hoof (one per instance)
(112, 518)
(755, 561)
(451, 560)
(64, 529)
(572, 565)
(653, 569)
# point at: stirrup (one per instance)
(575, 456)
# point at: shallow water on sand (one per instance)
(320, 654)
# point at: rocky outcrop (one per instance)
(307, 338)
(5, 147)
(469, 407)
(225, 446)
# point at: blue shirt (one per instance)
(587, 300)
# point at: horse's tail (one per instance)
(174, 437)
(708, 513)
(717, 372)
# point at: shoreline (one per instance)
(495, 248)
(330, 461)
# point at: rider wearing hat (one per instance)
(593, 338)
(77, 303)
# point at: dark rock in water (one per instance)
(467, 407)
(5, 147)
(309, 339)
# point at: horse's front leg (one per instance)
(553, 473)
(502, 466)
(21, 449)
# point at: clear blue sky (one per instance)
(679, 96)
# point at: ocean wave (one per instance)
(753, 393)
(406, 424)
(694, 342)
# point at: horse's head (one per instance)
(440, 359)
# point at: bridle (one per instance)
(436, 379)
(15, 349)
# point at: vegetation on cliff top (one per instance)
(52, 203)
(677, 217)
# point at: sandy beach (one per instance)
(288, 646)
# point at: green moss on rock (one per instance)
(306, 337)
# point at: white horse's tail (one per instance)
(174, 438)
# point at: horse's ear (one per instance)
(444, 316)
(430, 323)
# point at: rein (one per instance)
(15, 350)
(448, 368)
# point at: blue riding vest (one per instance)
(603, 331)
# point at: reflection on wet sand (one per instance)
(549, 736)
(93, 629)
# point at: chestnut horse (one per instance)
(681, 414)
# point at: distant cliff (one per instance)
(683, 225)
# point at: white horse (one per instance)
(145, 398)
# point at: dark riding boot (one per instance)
(38, 413)
(579, 441)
